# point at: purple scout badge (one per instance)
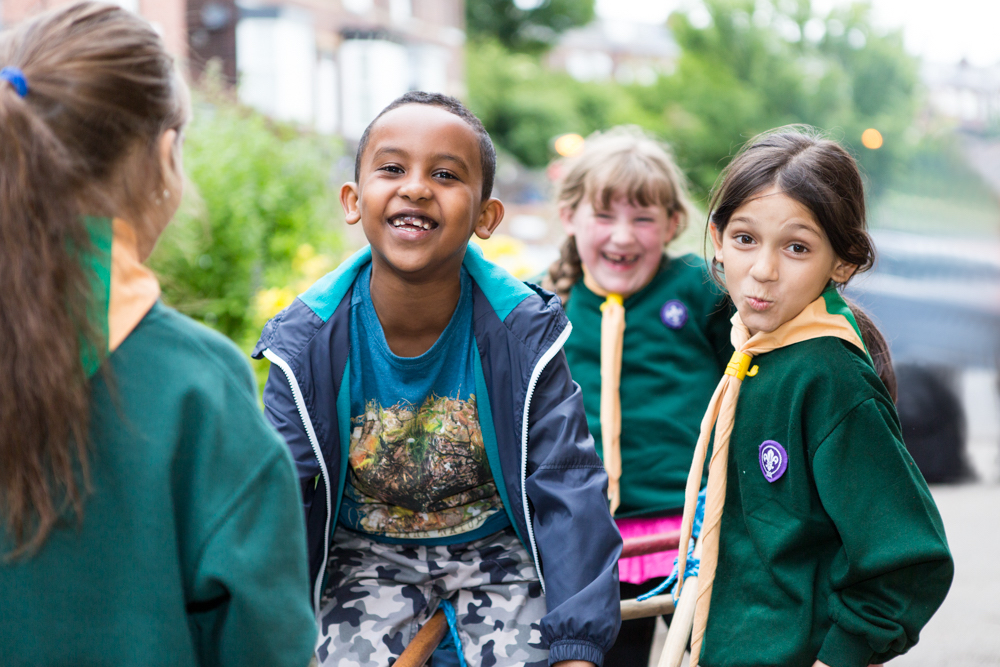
(674, 314)
(773, 460)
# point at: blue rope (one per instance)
(693, 564)
(449, 613)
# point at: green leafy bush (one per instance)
(259, 211)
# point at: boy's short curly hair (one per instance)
(487, 153)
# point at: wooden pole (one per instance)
(654, 606)
(649, 544)
(679, 631)
(420, 648)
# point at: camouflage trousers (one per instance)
(378, 595)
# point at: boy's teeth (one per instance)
(410, 221)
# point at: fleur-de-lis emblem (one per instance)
(773, 460)
(674, 314)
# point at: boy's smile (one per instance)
(776, 259)
(419, 192)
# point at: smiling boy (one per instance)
(442, 446)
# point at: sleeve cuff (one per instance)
(842, 649)
(575, 649)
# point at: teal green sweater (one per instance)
(669, 372)
(191, 549)
(842, 558)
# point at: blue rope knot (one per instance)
(693, 564)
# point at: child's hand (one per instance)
(574, 663)
(820, 664)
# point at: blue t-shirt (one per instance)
(417, 465)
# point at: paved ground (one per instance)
(966, 630)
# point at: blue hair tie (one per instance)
(16, 79)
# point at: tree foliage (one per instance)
(756, 66)
(524, 105)
(261, 197)
(531, 26)
(745, 66)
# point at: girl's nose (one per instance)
(415, 188)
(765, 267)
(621, 232)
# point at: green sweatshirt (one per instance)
(841, 558)
(191, 549)
(676, 348)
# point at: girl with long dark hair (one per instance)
(148, 513)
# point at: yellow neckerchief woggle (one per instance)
(828, 315)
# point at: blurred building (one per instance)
(965, 93)
(330, 64)
(167, 16)
(610, 49)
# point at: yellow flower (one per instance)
(269, 302)
(508, 252)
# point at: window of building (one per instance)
(358, 6)
(400, 11)
(277, 65)
(374, 72)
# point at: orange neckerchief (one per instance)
(612, 337)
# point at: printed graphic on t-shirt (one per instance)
(420, 472)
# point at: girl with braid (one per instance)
(653, 326)
(821, 544)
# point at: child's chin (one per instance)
(624, 281)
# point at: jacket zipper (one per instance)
(535, 374)
(300, 405)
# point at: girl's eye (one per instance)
(644, 221)
(744, 239)
(445, 174)
(600, 215)
(798, 248)
(391, 168)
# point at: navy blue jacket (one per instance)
(541, 455)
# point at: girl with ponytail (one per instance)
(148, 514)
(650, 341)
(820, 544)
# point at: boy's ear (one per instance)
(842, 271)
(716, 240)
(349, 199)
(489, 218)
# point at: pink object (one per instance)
(638, 569)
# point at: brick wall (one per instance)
(167, 15)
